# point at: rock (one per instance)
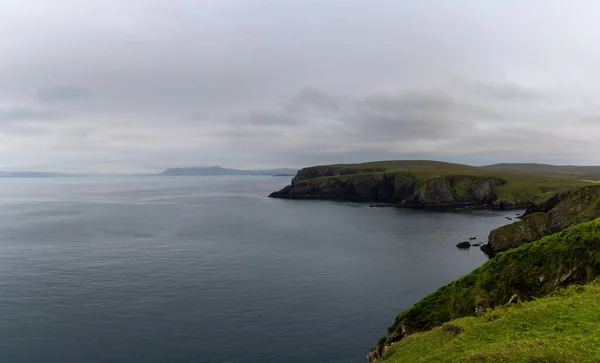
(565, 277)
(551, 213)
(475, 244)
(381, 206)
(472, 238)
(465, 244)
(373, 355)
(510, 219)
(530, 228)
(486, 249)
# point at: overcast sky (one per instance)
(142, 85)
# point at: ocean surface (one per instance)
(208, 269)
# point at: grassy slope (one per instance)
(522, 185)
(560, 328)
(529, 271)
(578, 172)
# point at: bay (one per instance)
(179, 269)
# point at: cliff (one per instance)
(552, 329)
(551, 213)
(400, 188)
(531, 271)
(422, 183)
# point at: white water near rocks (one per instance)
(179, 269)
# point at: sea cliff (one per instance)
(549, 214)
(422, 183)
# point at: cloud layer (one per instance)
(136, 85)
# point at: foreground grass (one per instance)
(559, 328)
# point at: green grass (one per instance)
(577, 172)
(559, 328)
(521, 188)
(530, 271)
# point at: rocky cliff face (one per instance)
(399, 188)
(550, 214)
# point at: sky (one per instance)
(143, 85)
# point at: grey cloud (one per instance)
(63, 93)
(25, 114)
(297, 82)
(433, 101)
(508, 92)
(266, 118)
(312, 99)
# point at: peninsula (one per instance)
(423, 183)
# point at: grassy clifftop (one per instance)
(558, 328)
(530, 271)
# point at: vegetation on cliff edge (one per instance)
(530, 271)
(558, 328)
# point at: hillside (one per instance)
(552, 329)
(424, 183)
(217, 170)
(531, 271)
(578, 172)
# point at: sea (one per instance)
(209, 269)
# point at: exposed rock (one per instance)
(383, 187)
(565, 277)
(381, 205)
(551, 213)
(373, 355)
(465, 244)
(531, 228)
(391, 187)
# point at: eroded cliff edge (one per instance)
(401, 188)
(551, 213)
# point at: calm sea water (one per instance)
(150, 269)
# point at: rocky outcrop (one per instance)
(551, 213)
(384, 187)
(398, 188)
(531, 228)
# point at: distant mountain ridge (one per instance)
(217, 170)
